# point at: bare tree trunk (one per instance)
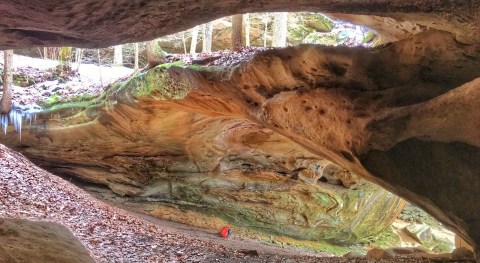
(135, 63)
(149, 49)
(247, 29)
(184, 43)
(193, 44)
(265, 31)
(117, 55)
(78, 57)
(203, 38)
(45, 52)
(155, 54)
(207, 37)
(100, 66)
(237, 36)
(280, 29)
(6, 102)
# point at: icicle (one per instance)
(16, 117)
(4, 120)
(19, 125)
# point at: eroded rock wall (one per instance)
(220, 166)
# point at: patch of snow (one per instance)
(23, 61)
(103, 75)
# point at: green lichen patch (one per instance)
(157, 83)
(52, 100)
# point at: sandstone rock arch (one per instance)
(405, 116)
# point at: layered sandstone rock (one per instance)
(220, 166)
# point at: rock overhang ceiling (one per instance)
(95, 23)
(407, 119)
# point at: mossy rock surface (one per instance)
(301, 211)
(156, 83)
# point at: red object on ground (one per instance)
(225, 232)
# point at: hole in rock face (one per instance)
(323, 179)
(336, 69)
(347, 156)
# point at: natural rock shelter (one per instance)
(307, 142)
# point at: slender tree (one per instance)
(237, 36)
(266, 19)
(6, 102)
(246, 17)
(45, 52)
(78, 56)
(117, 55)
(184, 43)
(193, 44)
(280, 29)
(100, 66)
(207, 37)
(135, 63)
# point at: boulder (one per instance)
(420, 232)
(39, 242)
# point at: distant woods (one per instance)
(279, 29)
